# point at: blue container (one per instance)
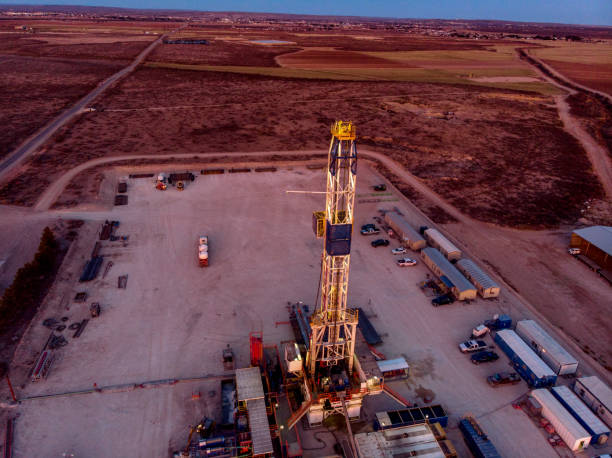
(524, 360)
(413, 416)
(476, 440)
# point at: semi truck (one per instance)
(203, 250)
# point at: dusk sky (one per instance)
(597, 12)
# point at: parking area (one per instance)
(174, 318)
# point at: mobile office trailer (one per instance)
(393, 368)
(446, 247)
(547, 348)
(408, 236)
(566, 426)
(597, 395)
(461, 288)
(484, 284)
(588, 420)
(524, 360)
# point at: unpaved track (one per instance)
(53, 192)
(40, 137)
(599, 157)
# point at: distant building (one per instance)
(595, 243)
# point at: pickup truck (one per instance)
(503, 378)
(370, 230)
(484, 357)
(472, 345)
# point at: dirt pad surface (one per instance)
(174, 318)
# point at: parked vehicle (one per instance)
(203, 250)
(574, 251)
(406, 262)
(444, 299)
(499, 322)
(399, 250)
(380, 187)
(504, 378)
(380, 242)
(368, 226)
(480, 330)
(484, 357)
(370, 231)
(472, 345)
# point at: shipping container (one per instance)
(446, 247)
(588, 420)
(547, 348)
(524, 360)
(411, 416)
(484, 284)
(597, 395)
(476, 439)
(461, 288)
(566, 426)
(408, 236)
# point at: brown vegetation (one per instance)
(500, 160)
(220, 52)
(596, 116)
(35, 45)
(596, 76)
(33, 91)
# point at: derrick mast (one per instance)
(332, 341)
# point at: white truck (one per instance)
(203, 250)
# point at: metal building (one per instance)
(566, 426)
(595, 243)
(484, 284)
(462, 289)
(446, 247)
(408, 236)
(597, 395)
(524, 360)
(547, 348)
(583, 415)
(249, 390)
(417, 440)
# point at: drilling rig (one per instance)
(334, 381)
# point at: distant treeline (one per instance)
(31, 282)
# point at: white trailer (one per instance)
(588, 420)
(547, 348)
(597, 395)
(445, 246)
(566, 426)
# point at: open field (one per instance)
(33, 91)
(160, 111)
(589, 64)
(161, 327)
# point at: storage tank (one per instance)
(446, 247)
(524, 360)
(547, 348)
(583, 415)
(566, 426)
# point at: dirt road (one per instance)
(36, 140)
(599, 157)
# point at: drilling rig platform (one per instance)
(337, 373)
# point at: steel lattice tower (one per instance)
(333, 325)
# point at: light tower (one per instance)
(333, 326)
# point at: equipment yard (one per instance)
(190, 294)
(173, 319)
